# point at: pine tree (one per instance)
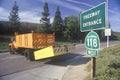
(45, 20)
(58, 22)
(14, 18)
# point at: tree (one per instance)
(57, 26)
(45, 20)
(45, 14)
(72, 28)
(58, 22)
(14, 18)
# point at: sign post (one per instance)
(92, 43)
(93, 67)
(93, 19)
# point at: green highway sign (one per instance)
(92, 40)
(94, 18)
(93, 53)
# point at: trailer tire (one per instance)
(28, 55)
(12, 51)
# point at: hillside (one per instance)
(6, 28)
(108, 64)
(117, 34)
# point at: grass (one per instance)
(108, 64)
(65, 43)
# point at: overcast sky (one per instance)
(30, 10)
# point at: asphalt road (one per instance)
(13, 64)
(10, 64)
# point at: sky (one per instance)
(31, 10)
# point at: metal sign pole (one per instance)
(107, 25)
(93, 67)
(93, 63)
(107, 41)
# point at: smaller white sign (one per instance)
(108, 32)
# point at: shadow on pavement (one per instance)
(81, 60)
(68, 59)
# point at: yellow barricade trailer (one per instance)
(35, 46)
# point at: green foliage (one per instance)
(43, 28)
(101, 34)
(58, 22)
(45, 20)
(72, 31)
(14, 13)
(45, 14)
(58, 25)
(14, 18)
(108, 64)
(28, 27)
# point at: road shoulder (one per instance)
(78, 69)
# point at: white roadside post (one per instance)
(108, 33)
(107, 30)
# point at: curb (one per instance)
(74, 60)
